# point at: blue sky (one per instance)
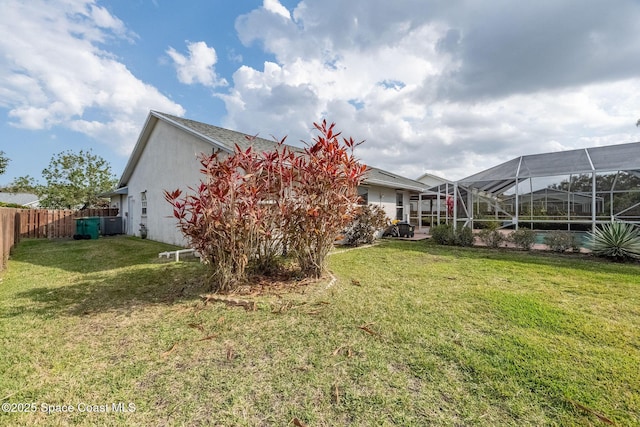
(449, 88)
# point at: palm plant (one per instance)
(616, 240)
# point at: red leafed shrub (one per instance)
(233, 217)
(250, 206)
(324, 198)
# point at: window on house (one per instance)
(363, 194)
(400, 206)
(143, 203)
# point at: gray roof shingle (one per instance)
(22, 199)
(228, 139)
(391, 180)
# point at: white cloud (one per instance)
(103, 19)
(449, 89)
(55, 71)
(274, 6)
(445, 87)
(198, 67)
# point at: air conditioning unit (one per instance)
(111, 225)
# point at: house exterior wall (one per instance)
(169, 161)
(386, 199)
(431, 181)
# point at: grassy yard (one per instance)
(409, 334)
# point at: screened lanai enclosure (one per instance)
(569, 190)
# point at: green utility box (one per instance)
(87, 228)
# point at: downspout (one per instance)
(177, 253)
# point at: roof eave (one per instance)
(116, 192)
(193, 132)
(150, 122)
(395, 185)
(138, 149)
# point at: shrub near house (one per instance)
(444, 234)
(250, 206)
(367, 222)
(523, 238)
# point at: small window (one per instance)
(363, 194)
(399, 206)
(143, 203)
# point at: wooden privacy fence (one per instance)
(55, 224)
(9, 233)
(39, 224)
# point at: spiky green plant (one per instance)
(616, 240)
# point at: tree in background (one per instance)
(604, 182)
(74, 180)
(4, 161)
(624, 183)
(23, 184)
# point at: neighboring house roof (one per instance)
(375, 176)
(226, 139)
(22, 199)
(552, 194)
(431, 181)
(116, 192)
(430, 176)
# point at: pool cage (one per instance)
(569, 190)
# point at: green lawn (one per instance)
(409, 334)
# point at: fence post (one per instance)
(7, 234)
(16, 227)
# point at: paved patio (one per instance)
(418, 235)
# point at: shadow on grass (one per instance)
(124, 292)
(89, 256)
(543, 258)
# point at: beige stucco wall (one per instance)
(386, 199)
(169, 161)
(431, 181)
